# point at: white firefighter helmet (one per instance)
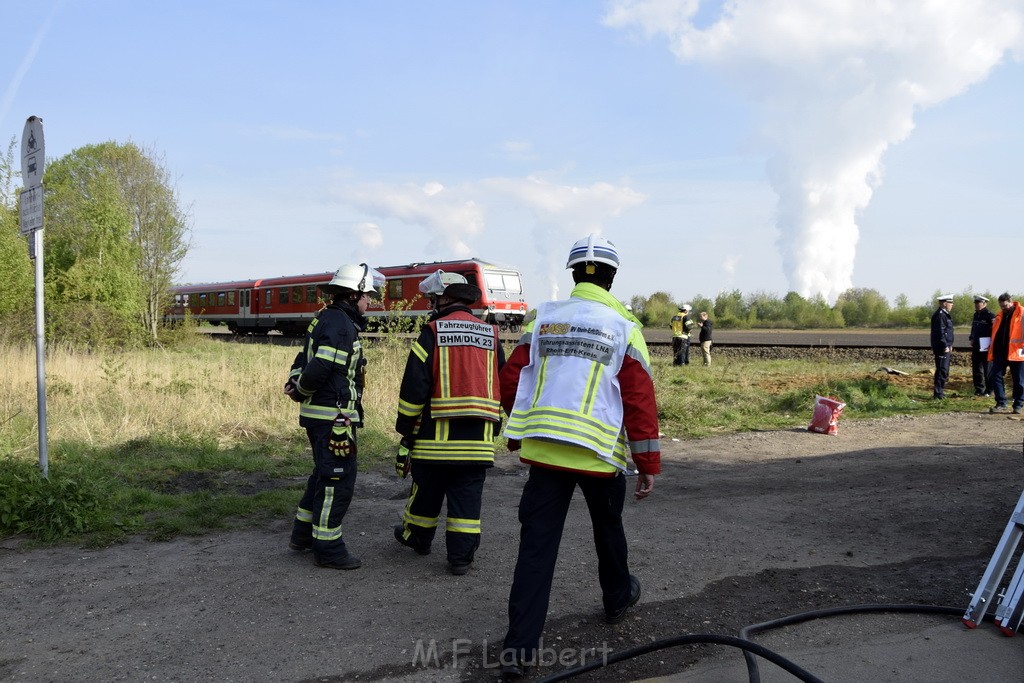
(435, 283)
(358, 278)
(593, 249)
(686, 308)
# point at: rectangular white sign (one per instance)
(31, 209)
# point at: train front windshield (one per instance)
(504, 283)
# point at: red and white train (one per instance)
(287, 304)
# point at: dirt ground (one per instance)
(740, 529)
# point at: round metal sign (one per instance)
(32, 153)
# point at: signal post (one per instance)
(33, 160)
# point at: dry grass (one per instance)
(229, 392)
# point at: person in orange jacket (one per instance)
(1007, 351)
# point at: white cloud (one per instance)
(369, 235)
(836, 83)
(451, 218)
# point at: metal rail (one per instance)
(658, 340)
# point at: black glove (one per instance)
(292, 391)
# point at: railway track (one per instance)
(659, 340)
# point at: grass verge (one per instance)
(185, 440)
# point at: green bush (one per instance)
(64, 505)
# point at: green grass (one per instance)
(735, 396)
(229, 452)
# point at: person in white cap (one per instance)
(981, 339)
(942, 343)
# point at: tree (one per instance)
(656, 311)
(729, 309)
(160, 227)
(93, 290)
(116, 200)
(861, 306)
(765, 310)
(16, 273)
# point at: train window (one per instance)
(202, 299)
(311, 294)
(297, 294)
(221, 298)
(231, 298)
(395, 288)
(494, 282)
(513, 283)
(282, 295)
(504, 282)
(267, 300)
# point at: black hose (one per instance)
(751, 648)
(754, 676)
(694, 639)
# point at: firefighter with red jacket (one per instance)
(327, 380)
(579, 396)
(448, 417)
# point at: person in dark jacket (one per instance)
(449, 413)
(942, 343)
(327, 380)
(981, 339)
(705, 336)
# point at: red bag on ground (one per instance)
(826, 415)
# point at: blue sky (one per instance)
(306, 135)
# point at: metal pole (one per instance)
(44, 465)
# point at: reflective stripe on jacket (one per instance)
(328, 371)
(569, 393)
(465, 368)
(449, 402)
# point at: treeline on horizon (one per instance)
(858, 307)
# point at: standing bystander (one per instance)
(1007, 351)
(705, 336)
(942, 343)
(981, 339)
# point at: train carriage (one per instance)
(287, 304)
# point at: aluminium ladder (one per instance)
(1009, 607)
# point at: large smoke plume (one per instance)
(835, 83)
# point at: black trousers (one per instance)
(463, 487)
(941, 374)
(680, 351)
(980, 369)
(542, 512)
(326, 498)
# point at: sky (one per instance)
(759, 145)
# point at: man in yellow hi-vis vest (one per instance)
(580, 399)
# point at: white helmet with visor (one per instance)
(359, 278)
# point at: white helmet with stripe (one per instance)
(593, 249)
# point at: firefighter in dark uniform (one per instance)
(448, 417)
(327, 380)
